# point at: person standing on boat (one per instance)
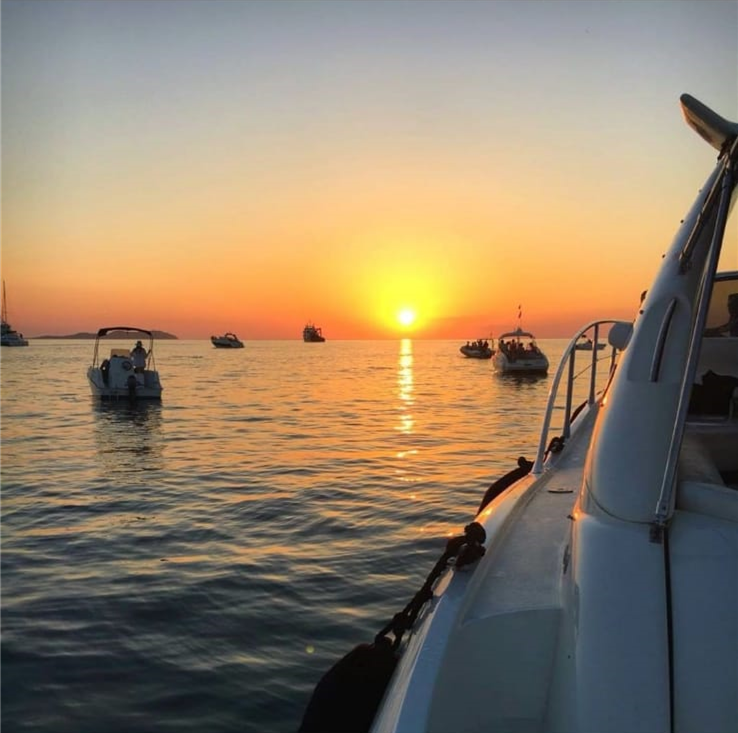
(138, 357)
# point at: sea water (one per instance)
(197, 564)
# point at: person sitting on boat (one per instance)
(138, 357)
(730, 328)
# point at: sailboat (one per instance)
(596, 589)
(8, 336)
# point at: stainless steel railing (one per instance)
(568, 364)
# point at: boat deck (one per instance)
(527, 561)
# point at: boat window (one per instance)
(722, 316)
(715, 389)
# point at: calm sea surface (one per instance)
(196, 565)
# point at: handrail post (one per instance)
(569, 395)
(593, 370)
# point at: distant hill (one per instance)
(159, 335)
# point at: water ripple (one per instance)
(196, 565)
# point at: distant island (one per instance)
(160, 335)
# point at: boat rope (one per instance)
(556, 445)
(348, 695)
(466, 548)
(523, 469)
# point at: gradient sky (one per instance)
(210, 166)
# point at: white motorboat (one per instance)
(596, 590)
(518, 353)
(227, 341)
(115, 376)
(8, 335)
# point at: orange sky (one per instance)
(170, 167)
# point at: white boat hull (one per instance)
(521, 365)
(147, 386)
(559, 623)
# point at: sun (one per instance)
(406, 317)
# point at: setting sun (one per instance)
(406, 317)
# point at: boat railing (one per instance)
(573, 382)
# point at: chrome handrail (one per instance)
(568, 359)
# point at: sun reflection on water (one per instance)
(405, 385)
(406, 426)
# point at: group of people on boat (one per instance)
(515, 349)
(480, 344)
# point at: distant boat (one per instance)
(311, 334)
(227, 341)
(513, 356)
(479, 349)
(586, 344)
(9, 336)
(116, 377)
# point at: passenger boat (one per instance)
(8, 335)
(596, 589)
(227, 341)
(479, 349)
(518, 353)
(115, 377)
(312, 334)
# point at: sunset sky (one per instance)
(211, 166)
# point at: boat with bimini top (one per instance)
(124, 373)
(596, 588)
